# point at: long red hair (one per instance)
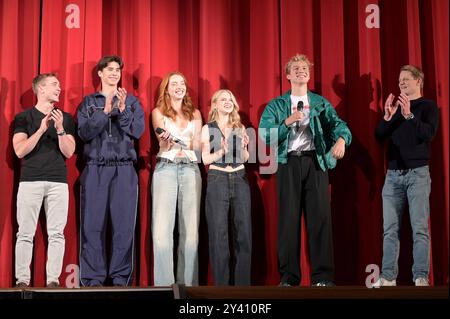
(164, 104)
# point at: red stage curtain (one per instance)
(19, 58)
(241, 45)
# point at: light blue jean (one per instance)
(175, 185)
(413, 186)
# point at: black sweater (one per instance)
(409, 140)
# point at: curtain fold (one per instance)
(19, 54)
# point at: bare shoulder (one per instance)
(197, 114)
(156, 111)
(157, 114)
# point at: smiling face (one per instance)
(110, 75)
(50, 89)
(224, 103)
(407, 84)
(298, 73)
(176, 87)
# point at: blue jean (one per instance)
(413, 186)
(227, 201)
(175, 185)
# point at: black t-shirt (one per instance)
(45, 162)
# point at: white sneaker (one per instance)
(422, 282)
(381, 282)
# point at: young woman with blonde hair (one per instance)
(224, 149)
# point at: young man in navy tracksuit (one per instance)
(109, 123)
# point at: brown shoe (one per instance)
(53, 284)
(22, 284)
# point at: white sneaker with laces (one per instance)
(381, 282)
(422, 282)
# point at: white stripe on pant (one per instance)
(30, 196)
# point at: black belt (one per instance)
(403, 171)
(176, 160)
(302, 153)
(110, 163)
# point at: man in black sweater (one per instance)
(409, 124)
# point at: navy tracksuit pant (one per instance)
(107, 192)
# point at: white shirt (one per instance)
(185, 135)
(300, 138)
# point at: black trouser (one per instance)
(302, 185)
(229, 192)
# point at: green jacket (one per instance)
(325, 124)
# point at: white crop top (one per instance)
(186, 135)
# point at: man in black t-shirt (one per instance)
(409, 124)
(43, 139)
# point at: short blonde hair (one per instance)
(297, 58)
(415, 71)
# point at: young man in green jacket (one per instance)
(310, 137)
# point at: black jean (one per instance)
(302, 185)
(228, 209)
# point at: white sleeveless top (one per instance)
(186, 135)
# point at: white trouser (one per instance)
(29, 202)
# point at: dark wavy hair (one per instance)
(103, 63)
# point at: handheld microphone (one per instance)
(299, 108)
(160, 130)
